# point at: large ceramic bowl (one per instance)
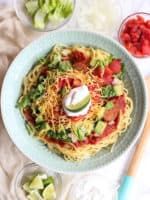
(14, 123)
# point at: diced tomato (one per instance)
(108, 72)
(92, 87)
(107, 77)
(28, 115)
(111, 114)
(146, 49)
(115, 66)
(134, 34)
(76, 83)
(98, 72)
(93, 139)
(148, 23)
(77, 57)
(75, 119)
(80, 66)
(44, 71)
(120, 102)
(62, 83)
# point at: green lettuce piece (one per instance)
(65, 66)
(55, 58)
(108, 91)
(23, 102)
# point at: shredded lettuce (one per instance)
(108, 91)
(65, 66)
(23, 102)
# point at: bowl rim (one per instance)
(122, 26)
(120, 153)
(30, 25)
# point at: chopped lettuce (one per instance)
(23, 102)
(108, 91)
(55, 59)
(65, 66)
(121, 75)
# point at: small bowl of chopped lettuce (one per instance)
(33, 182)
(44, 15)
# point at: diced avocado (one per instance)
(36, 183)
(39, 19)
(100, 126)
(101, 112)
(109, 105)
(31, 6)
(79, 106)
(118, 89)
(80, 134)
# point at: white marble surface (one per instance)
(116, 169)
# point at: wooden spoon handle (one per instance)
(139, 149)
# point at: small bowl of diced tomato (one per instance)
(134, 34)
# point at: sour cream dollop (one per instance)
(75, 96)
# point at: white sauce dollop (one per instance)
(75, 96)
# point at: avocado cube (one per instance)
(118, 89)
(100, 126)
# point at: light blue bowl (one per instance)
(14, 123)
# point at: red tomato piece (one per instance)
(107, 77)
(44, 71)
(29, 116)
(108, 130)
(93, 139)
(78, 56)
(120, 102)
(148, 23)
(111, 114)
(62, 83)
(115, 66)
(145, 49)
(76, 83)
(75, 119)
(80, 66)
(98, 72)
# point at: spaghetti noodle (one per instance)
(52, 79)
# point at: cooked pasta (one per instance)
(75, 101)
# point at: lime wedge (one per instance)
(34, 195)
(49, 192)
(79, 106)
(37, 183)
(26, 187)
